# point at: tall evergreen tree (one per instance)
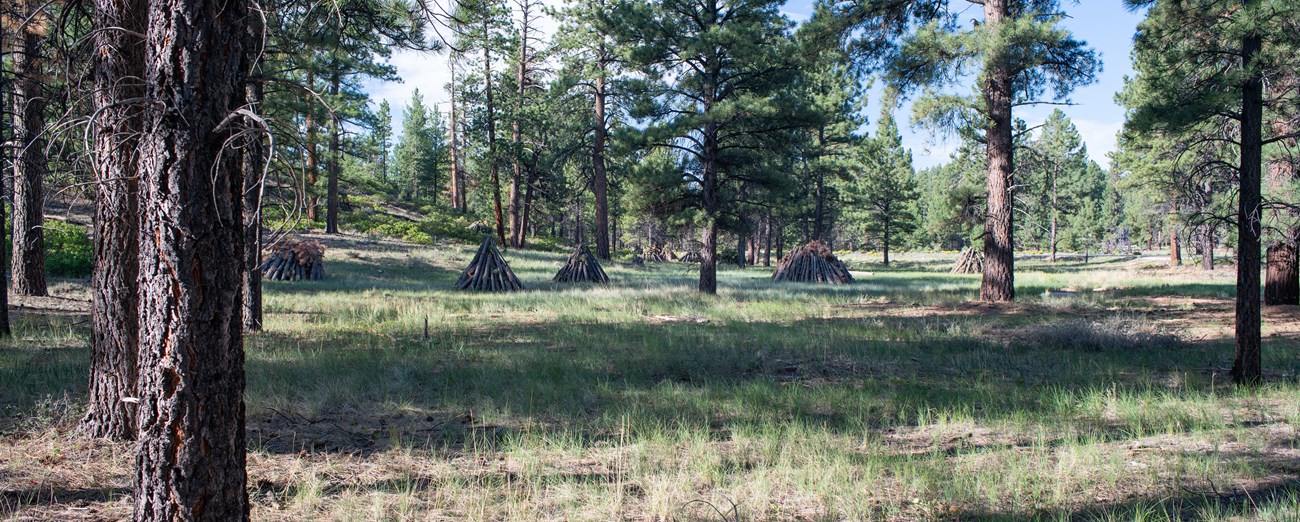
(382, 134)
(29, 136)
(114, 310)
(192, 451)
(1209, 62)
(886, 187)
(702, 65)
(1018, 50)
(589, 49)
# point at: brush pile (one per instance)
(691, 257)
(970, 261)
(658, 255)
(295, 260)
(812, 263)
(582, 267)
(488, 271)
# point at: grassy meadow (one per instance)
(381, 394)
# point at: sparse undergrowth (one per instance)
(1101, 395)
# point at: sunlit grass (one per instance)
(893, 398)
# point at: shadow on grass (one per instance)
(1279, 498)
(845, 375)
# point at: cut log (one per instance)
(582, 267)
(970, 261)
(812, 263)
(295, 260)
(488, 271)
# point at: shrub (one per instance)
(68, 251)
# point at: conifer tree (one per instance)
(1018, 52)
(1211, 62)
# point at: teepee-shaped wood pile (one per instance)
(812, 263)
(582, 267)
(488, 271)
(295, 260)
(970, 261)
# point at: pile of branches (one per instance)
(656, 255)
(488, 271)
(691, 257)
(582, 267)
(295, 260)
(970, 261)
(812, 263)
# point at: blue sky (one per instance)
(1104, 24)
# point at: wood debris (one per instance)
(970, 261)
(582, 267)
(488, 271)
(295, 260)
(812, 263)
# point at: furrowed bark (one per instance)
(1246, 362)
(492, 138)
(332, 169)
(114, 313)
(998, 283)
(30, 162)
(191, 455)
(600, 180)
(254, 161)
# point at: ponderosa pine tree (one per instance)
(589, 49)
(702, 65)
(382, 135)
(29, 138)
(886, 187)
(1204, 60)
(1058, 180)
(191, 455)
(1018, 50)
(119, 56)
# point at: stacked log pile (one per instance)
(488, 271)
(582, 267)
(812, 263)
(655, 255)
(970, 261)
(295, 260)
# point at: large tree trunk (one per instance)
(1283, 284)
(998, 283)
(740, 247)
(1207, 247)
(114, 312)
(455, 189)
(30, 161)
(767, 240)
(309, 123)
(191, 455)
(885, 223)
(1175, 248)
(1246, 362)
(517, 137)
(5, 93)
(254, 156)
(336, 157)
(600, 180)
(492, 139)
(527, 214)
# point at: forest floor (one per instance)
(1101, 394)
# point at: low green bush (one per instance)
(68, 251)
